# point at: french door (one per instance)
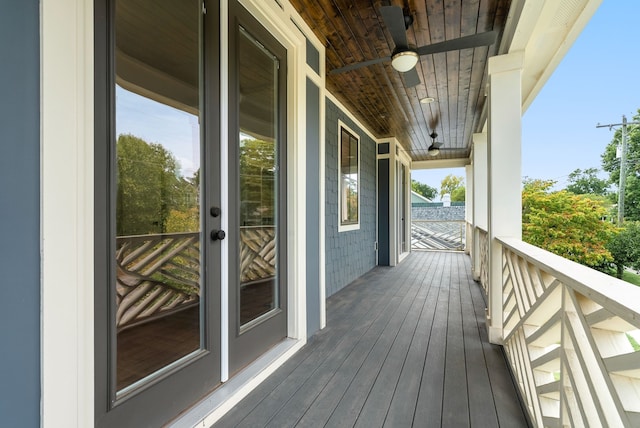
(158, 270)
(257, 189)
(160, 247)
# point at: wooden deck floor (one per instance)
(404, 346)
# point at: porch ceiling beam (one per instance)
(441, 163)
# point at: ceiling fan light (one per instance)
(433, 151)
(404, 61)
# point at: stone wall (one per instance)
(451, 213)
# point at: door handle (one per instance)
(218, 235)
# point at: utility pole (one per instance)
(623, 164)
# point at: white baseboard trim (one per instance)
(211, 408)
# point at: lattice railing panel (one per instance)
(160, 274)
(569, 335)
(156, 275)
(258, 253)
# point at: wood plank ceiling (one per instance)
(354, 31)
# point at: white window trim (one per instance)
(355, 226)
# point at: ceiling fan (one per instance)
(436, 147)
(405, 57)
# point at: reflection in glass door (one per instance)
(158, 318)
(157, 210)
(259, 175)
(158, 236)
(257, 279)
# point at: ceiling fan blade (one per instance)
(473, 41)
(434, 121)
(394, 20)
(357, 65)
(411, 78)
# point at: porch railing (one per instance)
(156, 275)
(569, 338)
(483, 244)
(160, 274)
(438, 235)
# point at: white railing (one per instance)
(483, 244)
(569, 338)
(469, 237)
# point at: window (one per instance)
(348, 177)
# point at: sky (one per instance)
(596, 82)
(154, 122)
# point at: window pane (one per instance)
(348, 178)
(258, 170)
(157, 212)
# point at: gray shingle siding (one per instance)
(348, 254)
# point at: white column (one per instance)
(468, 210)
(480, 197)
(505, 176)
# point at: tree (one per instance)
(611, 164)
(450, 183)
(183, 221)
(149, 187)
(258, 162)
(625, 247)
(424, 189)
(587, 183)
(566, 224)
(459, 194)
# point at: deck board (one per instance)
(404, 346)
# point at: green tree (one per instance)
(450, 183)
(424, 189)
(459, 194)
(611, 164)
(183, 221)
(258, 182)
(587, 183)
(566, 224)
(625, 247)
(149, 187)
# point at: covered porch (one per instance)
(419, 342)
(403, 346)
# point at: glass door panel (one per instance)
(258, 174)
(157, 271)
(157, 199)
(257, 189)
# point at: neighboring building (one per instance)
(270, 184)
(417, 199)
